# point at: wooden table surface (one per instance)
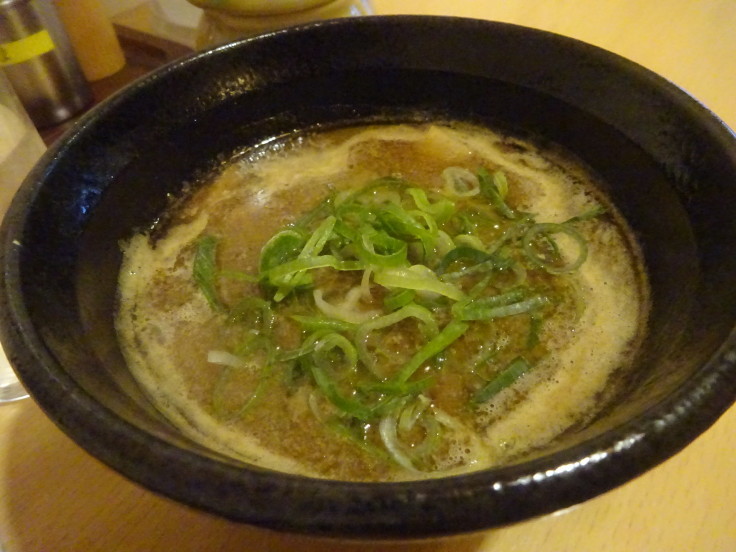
(55, 498)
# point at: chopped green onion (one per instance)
(362, 333)
(535, 327)
(247, 349)
(474, 311)
(398, 298)
(283, 246)
(313, 323)
(311, 249)
(517, 368)
(469, 240)
(494, 187)
(306, 348)
(400, 223)
(479, 303)
(319, 369)
(596, 211)
(419, 278)
(493, 262)
(464, 252)
(279, 275)
(460, 182)
(335, 341)
(388, 432)
(441, 210)
(442, 341)
(403, 419)
(393, 251)
(555, 264)
(205, 270)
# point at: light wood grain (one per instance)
(56, 498)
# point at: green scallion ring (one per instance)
(546, 229)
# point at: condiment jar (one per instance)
(227, 20)
(38, 58)
(93, 37)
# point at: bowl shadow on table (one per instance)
(60, 498)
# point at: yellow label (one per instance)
(26, 48)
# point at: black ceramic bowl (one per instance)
(668, 163)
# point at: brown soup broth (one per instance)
(255, 404)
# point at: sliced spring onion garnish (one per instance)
(381, 250)
(401, 223)
(313, 323)
(282, 247)
(317, 240)
(517, 368)
(460, 182)
(281, 275)
(346, 311)
(363, 332)
(442, 341)
(596, 211)
(389, 437)
(493, 262)
(205, 270)
(335, 341)
(474, 301)
(323, 371)
(254, 344)
(292, 279)
(469, 240)
(440, 210)
(531, 304)
(494, 187)
(306, 348)
(398, 298)
(495, 307)
(419, 278)
(549, 258)
(406, 418)
(413, 276)
(471, 254)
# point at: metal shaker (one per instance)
(38, 59)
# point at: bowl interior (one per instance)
(668, 164)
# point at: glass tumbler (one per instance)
(20, 148)
(226, 20)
